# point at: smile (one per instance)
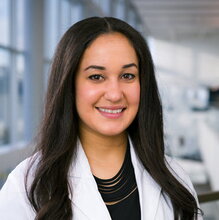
(112, 111)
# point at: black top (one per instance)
(120, 193)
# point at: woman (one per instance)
(100, 150)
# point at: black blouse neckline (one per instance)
(120, 186)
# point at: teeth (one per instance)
(110, 111)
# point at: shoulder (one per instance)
(179, 173)
(17, 176)
(13, 198)
(20, 171)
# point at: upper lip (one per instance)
(111, 107)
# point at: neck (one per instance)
(105, 153)
(101, 144)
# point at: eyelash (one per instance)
(126, 76)
(129, 75)
(95, 76)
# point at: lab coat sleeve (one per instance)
(14, 203)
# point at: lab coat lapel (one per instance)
(149, 190)
(86, 196)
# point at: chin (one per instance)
(112, 132)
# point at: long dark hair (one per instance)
(56, 142)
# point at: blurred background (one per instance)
(183, 36)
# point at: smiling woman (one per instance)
(107, 86)
(100, 150)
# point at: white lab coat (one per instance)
(87, 203)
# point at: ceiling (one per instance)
(175, 19)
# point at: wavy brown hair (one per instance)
(56, 142)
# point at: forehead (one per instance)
(110, 47)
(113, 37)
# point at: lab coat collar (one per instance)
(87, 198)
(149, 190)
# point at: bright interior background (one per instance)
(184, 40)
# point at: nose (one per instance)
(113, 92)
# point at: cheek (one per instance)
(134, 95)
(86, 94)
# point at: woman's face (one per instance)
(107, 86)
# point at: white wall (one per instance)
(193, 60)
(183, 65)
(209, 146)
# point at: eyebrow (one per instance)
(103, 68)
(95, 67)
(129, 65)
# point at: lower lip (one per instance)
(111, 115)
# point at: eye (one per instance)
(96, 77)
(128, 76)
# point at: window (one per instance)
(4, 96)
(4, 22)
(12, 64)
(59, 16)
(120, 9)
